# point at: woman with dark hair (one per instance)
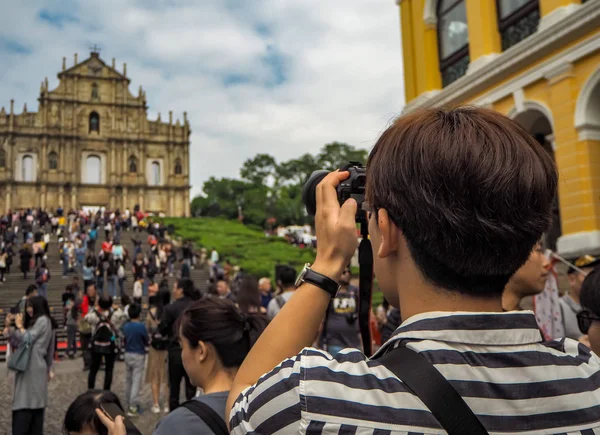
(248, 297)
(589, 317)
(89, 271)
(81, 417)
(156, 372)
(31, 386)
(215, 338)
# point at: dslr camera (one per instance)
(352, 187)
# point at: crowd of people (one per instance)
(456, 225)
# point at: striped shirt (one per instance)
(497, 362)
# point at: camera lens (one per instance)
(309, 193)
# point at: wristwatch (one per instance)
(317, 279)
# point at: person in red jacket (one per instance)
(85, 330)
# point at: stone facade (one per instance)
(90, 144)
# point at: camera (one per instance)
(352, 187)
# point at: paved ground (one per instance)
(71, 381)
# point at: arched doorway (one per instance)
(587, 112)
(537, 120)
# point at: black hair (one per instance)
(590, 291)
(187, 285)
(82, 411)
(39, 310)
(30, 289)
(134, 311)
(125, 299)
(163, 298)
(287, 276)
(248, 297)
(220, 323)
(105, 301)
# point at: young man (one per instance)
(569, 303)
(455, 201)
(528, 281)
(103, 343)
(287, 283)
(184, 293)
(136, 340)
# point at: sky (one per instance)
(282, 77)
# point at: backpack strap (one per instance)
(208, 416)
(280, 301)
(427, 383)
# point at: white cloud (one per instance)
(340, 59)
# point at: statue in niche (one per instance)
(95, 95)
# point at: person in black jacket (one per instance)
(184, 293)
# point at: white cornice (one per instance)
(581, 22)
(557, 15)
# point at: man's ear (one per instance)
(389, 234)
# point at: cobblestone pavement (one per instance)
(70, 381)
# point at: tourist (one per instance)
(71, 320)
(266, 292)
(224, 292)
(85, 329)
(136, 340)
(589, 317)
(111, 277)
(340, 326)
(30, 292)
(286, 282)
(31, 386)
(570, 304)
(100, 275)
(42, 276)
(248, 297)
(183, 294)
(3, 260)
(215, 338)
(156, 372)
(89, 272)
(25, 255)
(82, 418)
(103, 344)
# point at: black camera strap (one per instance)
(365, 280)
(426, 382)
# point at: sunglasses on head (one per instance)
(585, 319)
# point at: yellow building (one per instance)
(537, 61)
(90, 145)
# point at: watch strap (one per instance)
(323, 282)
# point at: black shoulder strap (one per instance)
(425, 381)
(208, 415)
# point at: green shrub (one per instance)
(247, 247)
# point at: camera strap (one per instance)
(428, 384)
(365, 261)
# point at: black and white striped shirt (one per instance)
(496, 361)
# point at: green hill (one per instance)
(242, 245)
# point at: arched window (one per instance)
(95, 92)
(2, 159)
(178, 167)
(93, 170)
(94, 122)
(517, 19)
(155, 174)
(53, 160)
(132, 164)
(453, 39)
(27, 168)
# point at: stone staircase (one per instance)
(13, 289)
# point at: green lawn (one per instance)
(243, 246)
(248, 247)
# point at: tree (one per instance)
(268, 189)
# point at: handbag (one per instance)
(19, 359)
(427, 383)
